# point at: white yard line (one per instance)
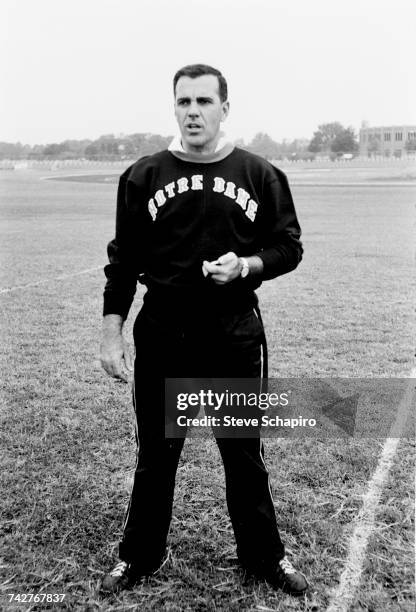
(82, 173)
(350, 578)
(50, 280)
(54, 176)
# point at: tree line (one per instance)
(330, 139)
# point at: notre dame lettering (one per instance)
(196, 183)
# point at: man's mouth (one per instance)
(193, 126)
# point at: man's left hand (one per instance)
(224, 269)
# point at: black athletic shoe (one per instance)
(122, 576)
(287, 578)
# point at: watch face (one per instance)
(244, 270)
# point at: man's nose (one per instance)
(193, 110)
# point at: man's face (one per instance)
(199, 112)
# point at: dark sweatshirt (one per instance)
(175, 210)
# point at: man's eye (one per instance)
(183, 102)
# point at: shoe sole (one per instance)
(288, 590)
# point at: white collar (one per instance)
(176, 144)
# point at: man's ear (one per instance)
(225, 110)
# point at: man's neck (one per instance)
(223, 148)
(203, 149)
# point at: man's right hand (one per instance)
(115, 352)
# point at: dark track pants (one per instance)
(200, 345)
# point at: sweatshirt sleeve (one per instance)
(281, 246)
(122, 270)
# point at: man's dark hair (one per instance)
(196, 70)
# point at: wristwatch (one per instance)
(245, 267)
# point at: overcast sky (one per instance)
(82, 68)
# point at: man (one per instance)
(201, 224)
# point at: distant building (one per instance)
(387, 141)
(21, 165)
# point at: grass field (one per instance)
(67, 435)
